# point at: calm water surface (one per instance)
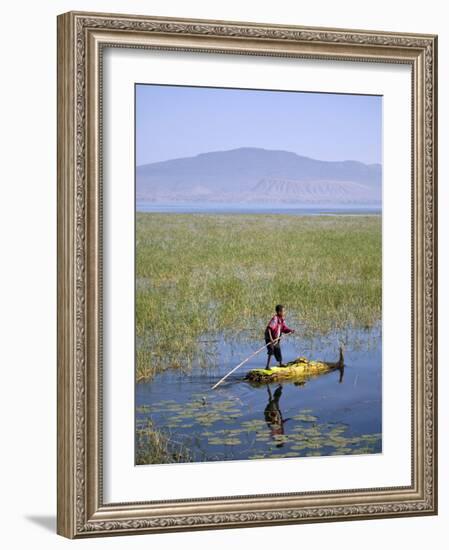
(335, 413)
(229, 208)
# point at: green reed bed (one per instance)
(199, 276)
(156, 447)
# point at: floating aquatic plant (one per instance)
(309, 437)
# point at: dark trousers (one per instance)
(273, 349)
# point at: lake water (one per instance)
(332, 414)
(230, 208)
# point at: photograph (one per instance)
(258, 274)
(246, 273)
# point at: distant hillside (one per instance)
(249, 175)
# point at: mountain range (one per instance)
(256, 175)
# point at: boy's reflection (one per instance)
(273, 414)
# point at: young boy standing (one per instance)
(275, 328)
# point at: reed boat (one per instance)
(300, 368)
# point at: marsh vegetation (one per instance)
(203, 277)
(206, 285)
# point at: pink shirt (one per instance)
(278, 326)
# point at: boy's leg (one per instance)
(270, 352)
(278, 354)
(268, 362)
(269, 348)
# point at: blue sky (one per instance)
(182, 121)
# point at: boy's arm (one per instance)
(285, 329)
(271, 326)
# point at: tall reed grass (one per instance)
(199, 276)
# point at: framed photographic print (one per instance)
(247, 274)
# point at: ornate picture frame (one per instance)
(82, 38)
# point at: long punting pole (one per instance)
(246, 360)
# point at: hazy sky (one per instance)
(182, 121)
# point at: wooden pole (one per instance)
(246, 360)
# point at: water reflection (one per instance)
(273, 414)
